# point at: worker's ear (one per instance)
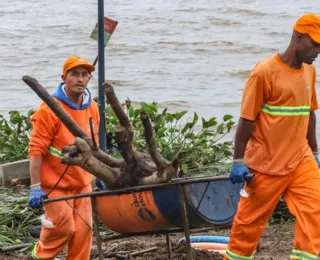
(63, 77)
(299, 37)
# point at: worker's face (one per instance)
(76, 80)
(307, 49)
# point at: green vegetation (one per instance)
(16, 218)
(14, 136)
(200, 150)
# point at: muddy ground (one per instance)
(276, 244)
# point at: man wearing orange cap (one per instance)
(66, 223)
(276, 141)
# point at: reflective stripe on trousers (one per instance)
(34, 253)
(302, 255)
(233, 256)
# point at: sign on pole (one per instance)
(109, 27)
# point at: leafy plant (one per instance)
(199, 151)
(14, 136)
(199, 148)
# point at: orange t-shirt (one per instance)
(49, 135)
(279, 100)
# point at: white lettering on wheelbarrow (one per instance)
(143, 212)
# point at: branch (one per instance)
(15, 247)
(145, 162)
(115, 105)
(120, 135)
(123, 136)
(86, 161)
(69, 123)
(144, 251)
(148, 131)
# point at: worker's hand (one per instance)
(316, 156)
(100, 184)
(238, 170)
(35, 196)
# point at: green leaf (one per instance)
(212, 122)
(136, 112)
(191, 136)
(30, 113)
(209, 133)
(230, 125)
(114, 121)
(148, 109)
(181, 114)
(110, 112)
(154, 108)
(6, 128)
(173, 130)
(171, 117)
(131, 112)
(220, 129)
(158, 121)
(15, 117)
(161, 132)
(227, 117)
(195, 118)
(164, 112)
(204, 123)
(145, 106)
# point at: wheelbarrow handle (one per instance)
(248, 177)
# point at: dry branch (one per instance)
(148, 132)
(124, 133)
(69, 123)
(136, 168)
(84, 159)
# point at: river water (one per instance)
(190, 55)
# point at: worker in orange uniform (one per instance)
(62, 225)
(276, 141)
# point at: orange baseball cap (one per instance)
(76, 61)
(309, 24)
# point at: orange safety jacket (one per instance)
(49, 135)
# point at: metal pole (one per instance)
(138, 188)
(96, 227)
(101, 76)
(169, 246)
(185, 221)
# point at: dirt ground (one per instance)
(276, 244)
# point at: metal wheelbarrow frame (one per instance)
(201, 197)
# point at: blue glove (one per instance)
(100, 184)
(316, 156)
(35, 196)
(238, 170)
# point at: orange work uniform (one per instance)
(49, 135)
(279, 100)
